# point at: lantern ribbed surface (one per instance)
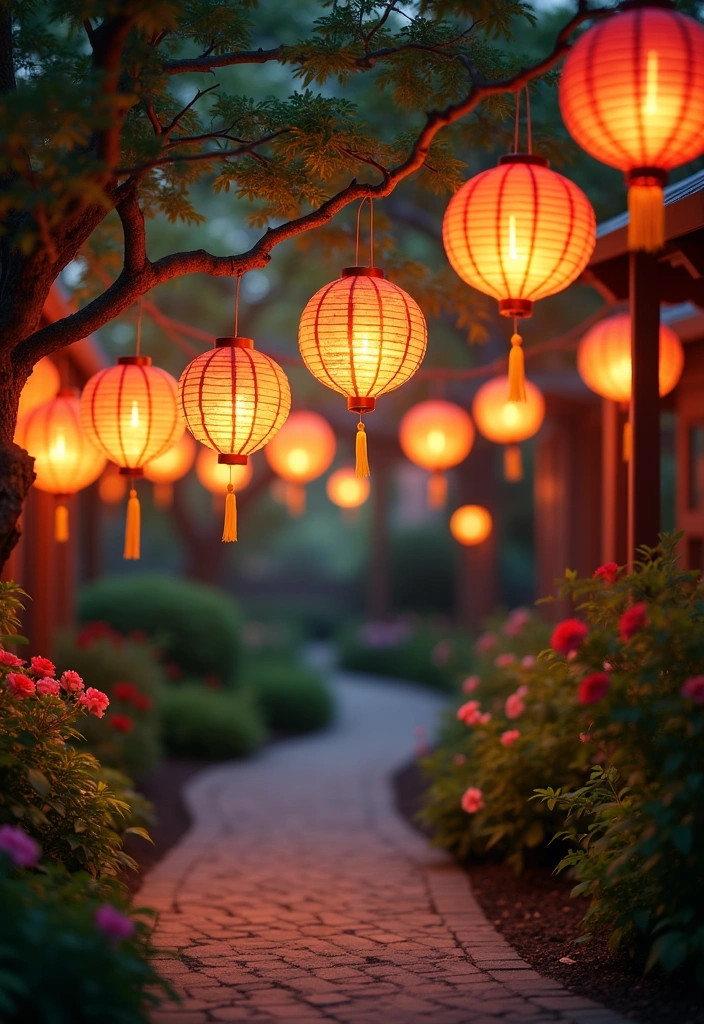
(519, 232)
(303, 449)
(174, 463)
(436, 435)
(215, 476)
(632, 90)
(471, 524)
(362, 335)
(234, 398)
(64, 459)
(130, 412)
(42, 385)
(505, 422)
(604, 358)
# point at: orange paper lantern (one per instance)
(169, 467)
(130, 413)
(215, 476)
(508, 423)
(112, 486)
(64, 460)
(632, 95)
(363, 337)
(42, 385)
(604, 358)
(470, 524)
(301, 451)
(234, 400)
(436, 435)
(346, 489)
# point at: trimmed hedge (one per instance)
(197, 722)
(292, 698)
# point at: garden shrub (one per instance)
(127, 738)
(198, 722)
(292, 698)
(196, 627)
(417, 652)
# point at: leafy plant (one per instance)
(292, 698)
(403, 650)
(198, 722)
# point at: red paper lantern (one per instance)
(632, 95)
(471, 525)
(508, 423)
(165, 469)
(604, 358)
(42, 385)
(436, 435)
(347, 490)
(301, 451)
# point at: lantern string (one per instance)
(530, 131)
(371, 231)
(237, 305)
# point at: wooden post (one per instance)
(614, 525)
(644, 468)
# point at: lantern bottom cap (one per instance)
(520, 308)
(131, 471)
(225, 459)
(358, 404)
(646, 176)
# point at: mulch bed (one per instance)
(536, 915)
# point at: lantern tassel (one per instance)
(646, 224)
(362, 467)
(132, 527)
(627, 448)
(516, 371)
(61, 524)
(513, 463)
(437, 490)
(229, 532)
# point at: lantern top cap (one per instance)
(362, 272)
(234, 342)
(134, 360)
(68, 393)
(524, 158)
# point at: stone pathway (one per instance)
(300, 896)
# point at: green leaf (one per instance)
(38, 781)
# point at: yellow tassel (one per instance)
(295, 499)
(627, 441)
(646, 225)
(437, 490)
(513, 463)
(61, 524)
(516, 371)
(362, 467)
(163, 495)
(229, 532)
(132, 528)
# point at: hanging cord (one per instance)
(530, 129)
(517, 121)
(237, 305)
(371, 231)
(138, 344)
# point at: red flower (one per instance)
(632, 621)
(43, 667)
(694, 689)
(125, 692)
(97, 631)
(95, 700)
(71, 681)
(48, 687)
(11, 660)
(608, 573)
(141, 702)
(593, 688)
(20, 685)
(122, 723)
(568, 636)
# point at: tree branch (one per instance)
(207, 62)
(212, 154)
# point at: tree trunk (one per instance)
(16, 466)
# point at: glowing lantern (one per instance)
(470, 524)
(42, 385)
(64, 460)
(112, 486)
(436, 435)
(215, 476)
(346, 489)
(519, 232)
(130, 413)
(171, 466)
(363, 337)
(234, 400)
(302, 450)
(632, 95)
(508, 423)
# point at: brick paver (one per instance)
(300, 896)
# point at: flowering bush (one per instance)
(420, 651)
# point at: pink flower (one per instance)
(515, 705)
(113, 923)
(470, 684)
(509, 737)
(459, 760)
(516, 622)
(484, 717)
(585, 737)
(568, 636)
(48, 687)
(122, 723)
(486, 642)
(593, 688)
(469, 713)
(607, 666)
(528, 661)
(694, 689)
(632, 621)
(608, 572)
(71, 681)
(10, 660)
(95, 700)
(442, 652)
(504, 660)
(20, 685)
(472, 800)
(43, 667)
(22, 850)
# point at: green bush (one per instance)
(420, 653)
(56, 962)
(127, 738)
(292, 698)
(198, 722)
(196, 627)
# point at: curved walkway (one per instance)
(300, 896)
